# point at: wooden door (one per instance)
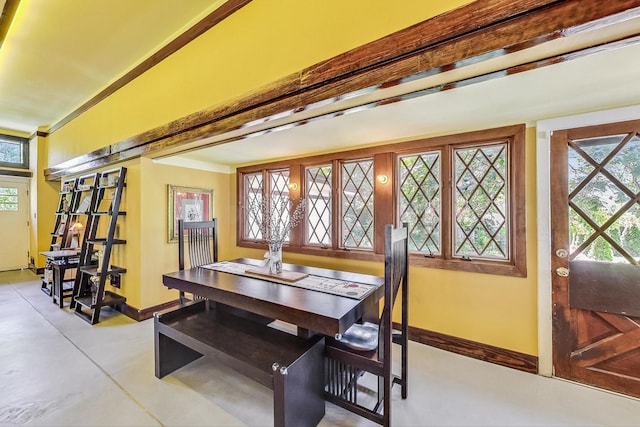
(595, 217)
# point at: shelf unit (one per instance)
(100, 237)
(67, 203)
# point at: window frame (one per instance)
(24, 146)
(386, 194)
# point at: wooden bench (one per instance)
(290, 365)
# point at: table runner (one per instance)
(343, 288)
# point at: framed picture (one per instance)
(189, 204)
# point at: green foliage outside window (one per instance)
(604, 180)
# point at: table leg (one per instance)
(58, 274)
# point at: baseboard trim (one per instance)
(146, 313)
(488, 353)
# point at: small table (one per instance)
(59, 261)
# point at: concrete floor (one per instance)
(57, 370)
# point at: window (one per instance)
(14, 152)
(8, 199)
(356, 201)
(480, 202)
(318, 191)
(252, 206)
(419, 200)
(463, 197)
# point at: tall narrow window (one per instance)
(279, 203)
(318, 229)
(357, 204)
(253, 206)
(481, 202)
(8, 199)
(419, 200)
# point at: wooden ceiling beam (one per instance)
(471, 34)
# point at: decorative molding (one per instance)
(488, 353)
(228, 8)
(439, 44)
(8, 13)
(11, 172)
(146, 313)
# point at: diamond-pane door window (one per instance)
(357, 204)
(480, 202)
(420, 200)
(604, 199)
(279, 201)
(253, 206)
(318, 191)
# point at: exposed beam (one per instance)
(431, 47)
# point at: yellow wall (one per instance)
(263, 42)
(157, 255)
(44, 201)
(495, 310)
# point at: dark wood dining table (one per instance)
(312, 311)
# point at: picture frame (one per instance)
(188, 203)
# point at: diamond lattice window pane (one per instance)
(600, 199)
(625, 165)
(579, 169)
(599, 148)
(357, 204)
(626, 232)
(480, 202)
(318, 182)
(253, 206)
(419, 200)
(579, 232)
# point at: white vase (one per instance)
(275, 258)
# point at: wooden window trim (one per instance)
(385, 162)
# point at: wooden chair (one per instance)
(367, 347)
(202, 243)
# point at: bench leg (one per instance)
(171, 355)
(298, 391)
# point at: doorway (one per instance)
(14, 223)
(595, 255)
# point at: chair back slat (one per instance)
(201, 239)
(396, 263)
(346, 363)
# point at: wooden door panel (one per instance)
(595, 219)
(610, 288)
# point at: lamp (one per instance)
(382, 178)
(293, 186)
(74, 232)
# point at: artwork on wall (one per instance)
(189, 204)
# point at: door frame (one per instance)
(26, 181)
(544, 130)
